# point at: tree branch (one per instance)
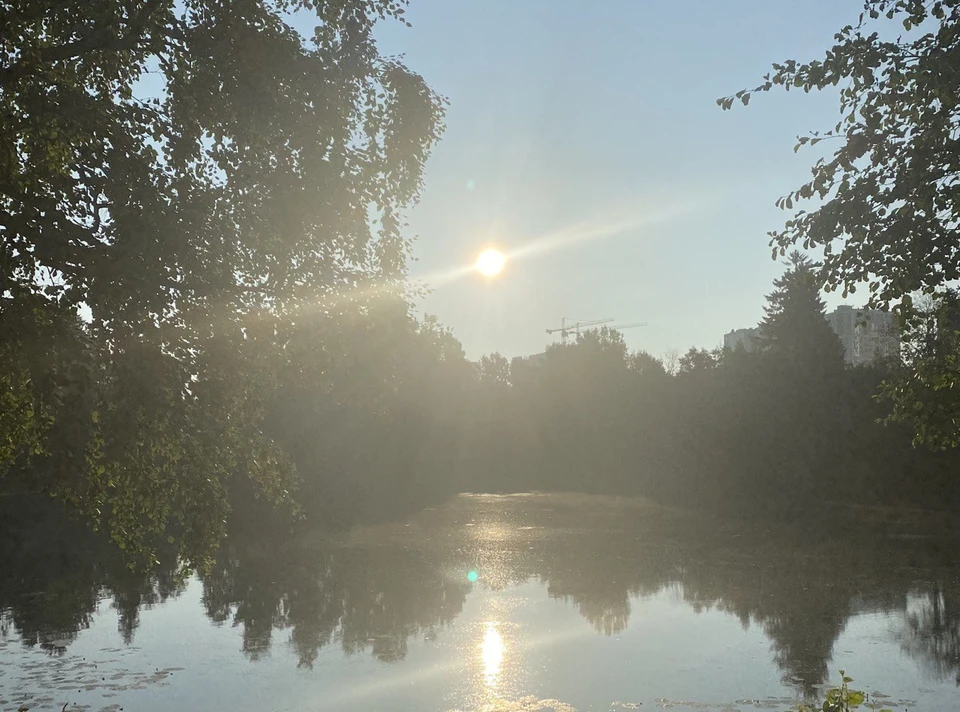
(99, 40)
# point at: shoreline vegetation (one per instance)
(783, 433)
(202, 320)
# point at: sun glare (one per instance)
(491, 653)
(490, 262)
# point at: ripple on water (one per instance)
(526, 704)
(43, 682)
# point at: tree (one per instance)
(646, 365)
(493, 370)
(926, 397)
(196, 178)
(887, 210)
(933, 327)
(794, 327)
(603, 343)
(888, 204)
(698, 360)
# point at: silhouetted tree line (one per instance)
(771, 430)
(374, 414)
(204, 309)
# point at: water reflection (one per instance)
(931, 631)
(53, 573)
(366, 600)
(383, 587)
(491, 653)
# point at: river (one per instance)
(497, 603)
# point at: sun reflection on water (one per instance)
(491, 652)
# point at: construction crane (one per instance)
(575, 327)
(621, 327)
(566, 329)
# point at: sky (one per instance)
(585, 138)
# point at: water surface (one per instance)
(529, 602)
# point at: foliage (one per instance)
(366, 405)
(195, 179)
(925, 395)
(840, 699)
(885, 208)
(494, 370)
(888, 212)
(794, 327)
(696, 360)
(645, 365)
(770, 432)
(46, 371)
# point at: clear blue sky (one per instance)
(567, 114)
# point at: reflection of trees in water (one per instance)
(799, 606)
(931, 631)
(375, 597)
(132, 592)
(364, 599)
(599, 576)
(56, 572)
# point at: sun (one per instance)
(490, 262)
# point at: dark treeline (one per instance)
(374, 415)
(398, 419)
(769, 431)
(205, 311)
(377, 592)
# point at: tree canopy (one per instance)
(181, 183)
(884, 209)
(885, 205)
(794, 326)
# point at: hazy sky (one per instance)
(572, 118)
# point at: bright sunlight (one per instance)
(490, 262)
(491, 653)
